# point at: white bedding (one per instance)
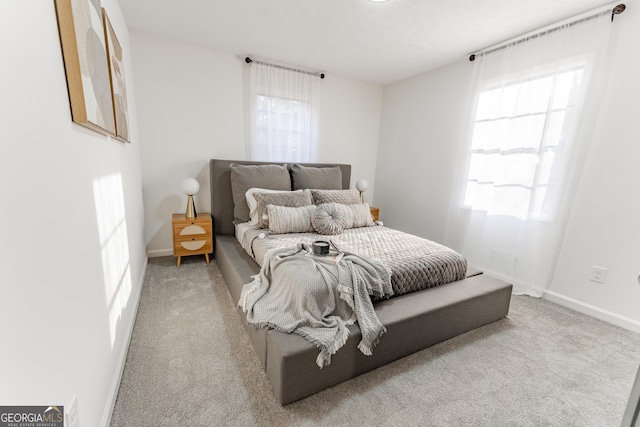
(242, 228)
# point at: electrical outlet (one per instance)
(72, 413)
(598, 274)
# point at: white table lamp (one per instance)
(190, 187)
(362, 186)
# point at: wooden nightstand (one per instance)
(192, 236)
(375, 213)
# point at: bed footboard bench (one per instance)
(414, 322)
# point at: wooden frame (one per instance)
(82, 36)
(118, 82)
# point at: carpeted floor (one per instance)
(191, 363)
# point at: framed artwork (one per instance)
(118, 83)
(82, 35)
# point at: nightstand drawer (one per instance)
(192, 247)
(191, 231)
(192, 236)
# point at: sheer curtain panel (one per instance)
(283, 106)
(534, 104)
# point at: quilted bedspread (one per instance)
(415, 263)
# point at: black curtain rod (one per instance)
(249, 61)
(616, 11)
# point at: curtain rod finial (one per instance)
(472, 57)
(619, 8)
(248, 60)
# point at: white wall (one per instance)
(421, 135)
(191, 109)
(605, 224)
(69, 277)
(420, 152)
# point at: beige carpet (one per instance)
(190, 363)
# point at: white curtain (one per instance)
(283, 114)
(534, 104)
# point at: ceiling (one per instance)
(374, 42)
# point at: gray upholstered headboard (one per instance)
(221, 196)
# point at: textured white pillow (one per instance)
(292, 199)
(344, 197)
(329, 219)
(284, 219)
(358, 215)
(333, 218)
(253, 204)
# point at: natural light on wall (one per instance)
(112, 227)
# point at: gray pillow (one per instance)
(284, 219)
(344, 197)
(334, 218)
(292, 199)
(244, 177)
(329, 219)
(303, 177)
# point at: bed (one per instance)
(416, 319)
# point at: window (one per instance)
(534, 107)
(520, 135)
(281, 127)
(283, 114)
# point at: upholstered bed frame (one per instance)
(414, 321)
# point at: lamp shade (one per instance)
(190, 186)
(362, 185)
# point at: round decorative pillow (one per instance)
(329, 219)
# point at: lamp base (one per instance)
(191, 208)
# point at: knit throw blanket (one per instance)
(318, 297)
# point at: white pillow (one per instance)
(283, 219)
(253, 204)
(334, 218)
(358, 215)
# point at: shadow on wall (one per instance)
(203, 201)
(173, 204)
(175, 201)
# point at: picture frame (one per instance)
(82, 37)
(118, 81)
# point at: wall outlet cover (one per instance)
(598, 274)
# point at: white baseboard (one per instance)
(159, 252)
(598, 313)
(122, 357)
